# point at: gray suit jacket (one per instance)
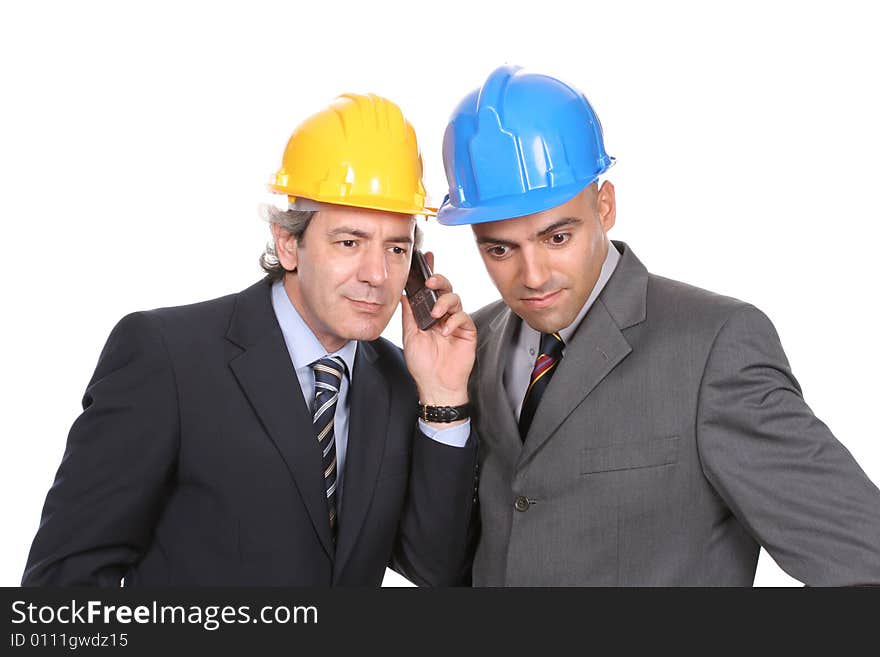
(671, 443)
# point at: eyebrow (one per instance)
(494, 240)
(556, 225)
(549, 230)
(356, 232)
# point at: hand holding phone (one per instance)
(440, 360)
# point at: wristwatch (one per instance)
(444, 413)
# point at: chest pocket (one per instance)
(630, 456)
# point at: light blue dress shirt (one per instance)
(304, 349)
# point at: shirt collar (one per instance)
(302, 345)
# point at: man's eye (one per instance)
(497, 251)
(560, 238)
(398, 250)
(348, 243)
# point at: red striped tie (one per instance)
(545, 366)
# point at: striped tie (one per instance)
(545, 365)
(328, 379)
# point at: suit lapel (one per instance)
(596, 348)
(266, 375)
(367, 430)
(499, 427)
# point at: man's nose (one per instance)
(535, 270)
(373, 268)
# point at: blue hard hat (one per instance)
(521, 143)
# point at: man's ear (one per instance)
(606, 205)
(285, 247)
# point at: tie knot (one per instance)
(551, 345)
(329, 371)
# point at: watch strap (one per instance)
(444, 413)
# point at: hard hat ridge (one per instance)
(358, 151)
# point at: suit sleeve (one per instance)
(779, 469)
(100, 512)
(435, 539)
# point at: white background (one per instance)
(136, 140)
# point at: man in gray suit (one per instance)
(635, 430)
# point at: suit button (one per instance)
(521, 504)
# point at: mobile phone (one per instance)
(421, 298)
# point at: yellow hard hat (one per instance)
(358, 151)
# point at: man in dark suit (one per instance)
(644, 432)
(270, 437)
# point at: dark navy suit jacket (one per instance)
(194, 462)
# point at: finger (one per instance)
(447, 304)
(429, 256)
(409, 321)
(459, 324)
(439, 283)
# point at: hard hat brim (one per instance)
(424, 211)
(511, 207)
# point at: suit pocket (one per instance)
(630, 456)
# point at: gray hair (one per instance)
(295, 222)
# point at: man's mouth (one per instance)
(366, 306)
(542, 301)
